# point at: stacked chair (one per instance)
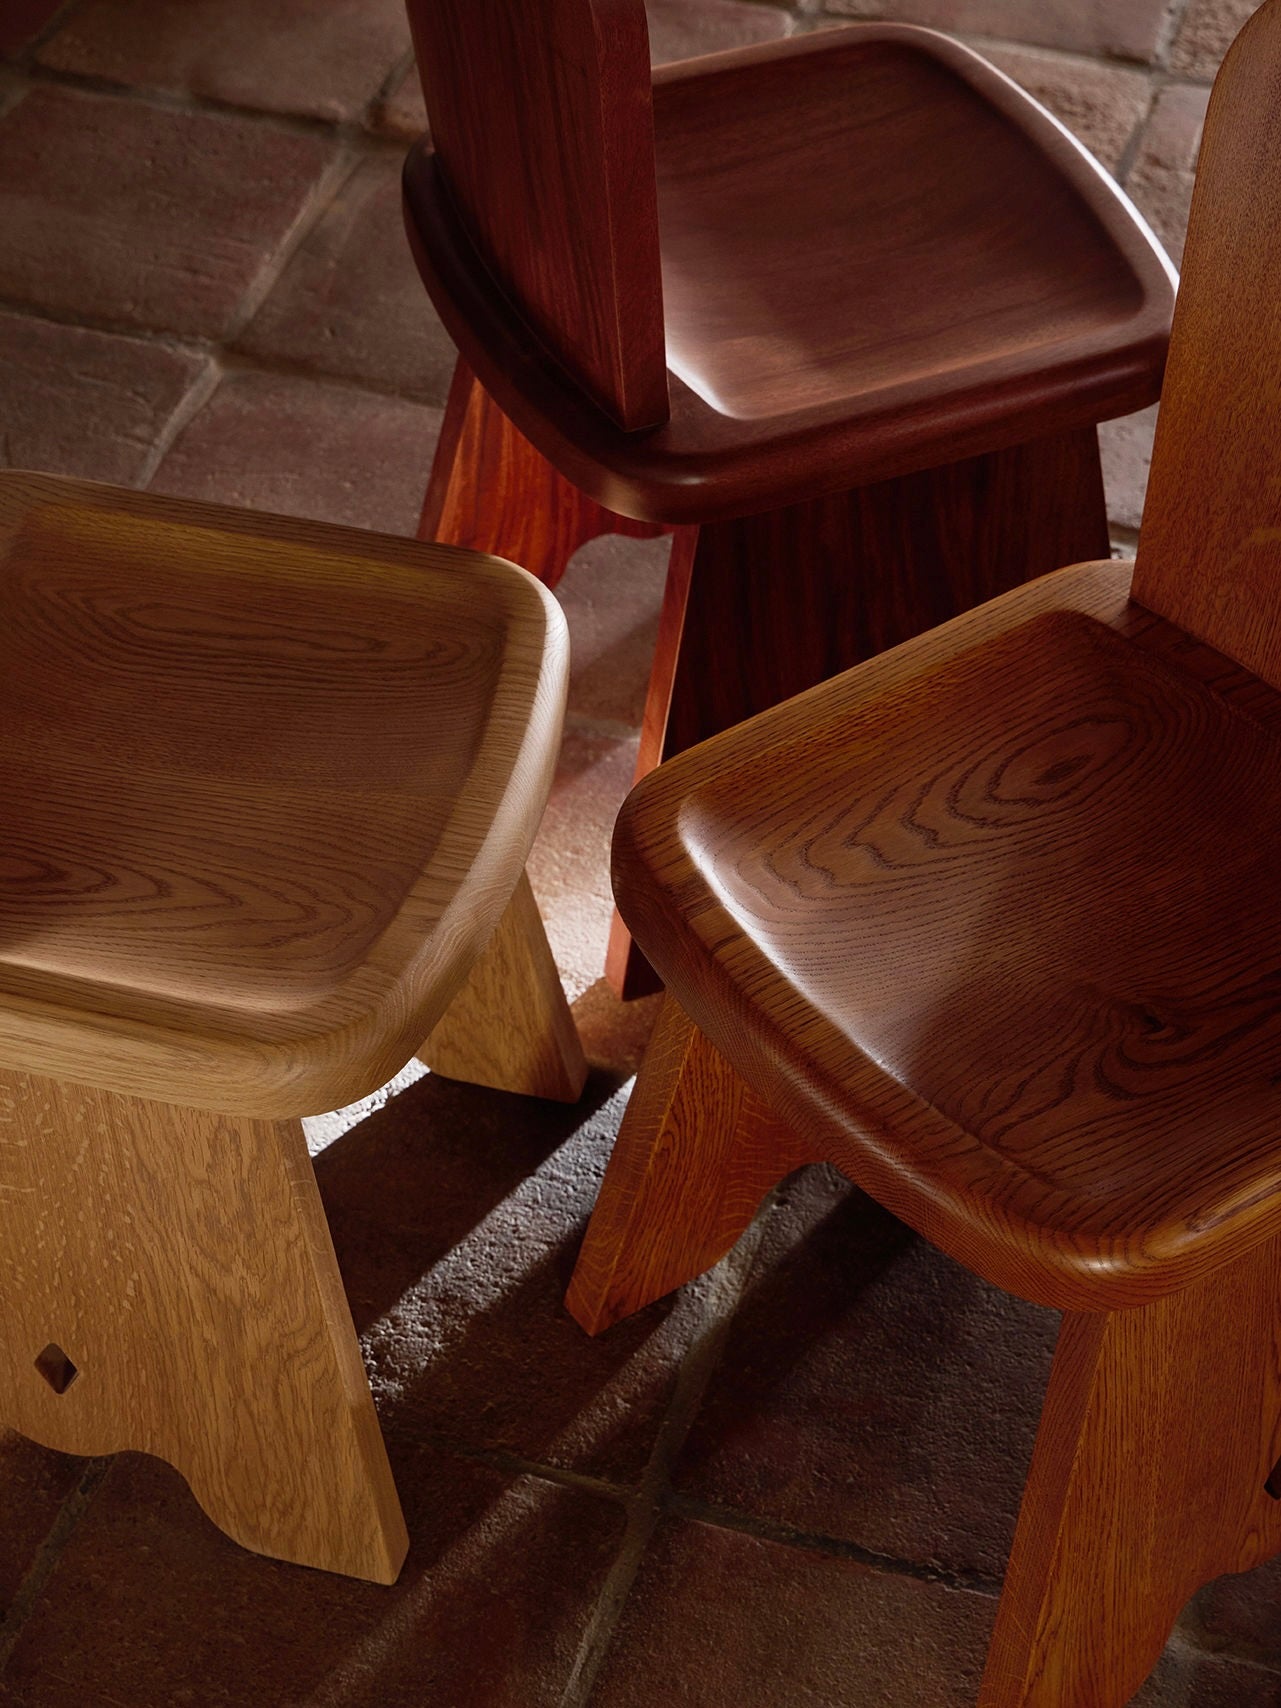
(841, 312)
(992, 923)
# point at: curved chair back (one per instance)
(1210, 552)
(542, 121)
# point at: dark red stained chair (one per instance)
(993, 924)
(841, 311)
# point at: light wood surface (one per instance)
(181, 1262)
(990, 922)
(509, 1026)
(269, 784)
(267, 789)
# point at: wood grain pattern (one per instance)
(1161, 1427)
(264, 893)
(492, 492)
(817, 587)
(543, 135)
(878, 256)
(509, 1027)
(1210, 557)
(181, 1261)
(695, 1155)
(980, 897)
(990, 922)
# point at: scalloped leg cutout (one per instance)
(1160, 1431)
(170, 1286)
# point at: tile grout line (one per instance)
(47, 1556)
(653, 1495)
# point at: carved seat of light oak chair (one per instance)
(267, 789)
(842, 310)
(992, 923)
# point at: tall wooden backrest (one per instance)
(1210, 548)
(542, 121)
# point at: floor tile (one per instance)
(350, 301)
(1208, 30)
(611, 595)
(86, 403)
(872, 1391)
(718, 1619)
(1241, 1611)
(21, 21)
(456, 1215)
(300, 447)
(1100, 104)
(323, 58)
(678, 29)
(1125, 447)
(1160, 180)
(34, 1484)
(1125, 29)
(140, 216)
(569, 865)
(684, 29)
(151, 1604)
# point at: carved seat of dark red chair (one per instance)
(841, 310)
(992, 923)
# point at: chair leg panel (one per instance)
(510, 1027)
(1161, 1427)
(492, 491)
(170, 1286)
(762, 607)
(696, 1153)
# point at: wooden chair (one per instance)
(842, 311)
(992, 923)
(267, 789)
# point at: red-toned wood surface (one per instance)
(543, 134)
(1210, 556)
(991, 917)
(991, 923)
(491, 491)
(815, 588)
(878, 256)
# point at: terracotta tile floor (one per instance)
(794, 1484)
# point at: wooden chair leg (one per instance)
(509, 1027)
(805, 592)
(1160, 1434)
(492, 491)
(695, 1154)
(169, 1285)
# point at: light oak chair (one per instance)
(841, 311)
(267, 789)
(993, 924)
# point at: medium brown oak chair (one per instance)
(267, 789)
(993, 923)
(842, 311)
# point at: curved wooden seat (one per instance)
(926, 268)
(841, 310)
(992, 923)
(989, 922)
(267, 789)
(269, 786)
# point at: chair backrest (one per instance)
(542, 121)
(1210, 549)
